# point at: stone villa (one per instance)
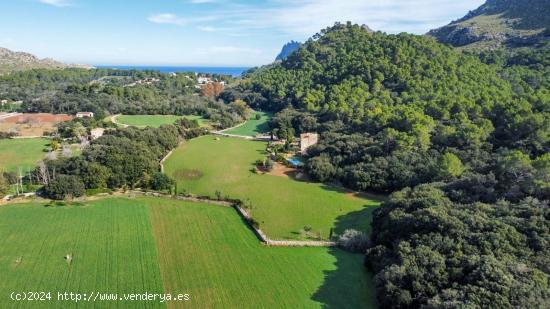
(307, 140)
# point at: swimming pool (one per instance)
(294, 161)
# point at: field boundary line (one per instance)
(240, 211)
(247, 218)
(168, 155)
(280, 243)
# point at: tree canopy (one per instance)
(463, 140)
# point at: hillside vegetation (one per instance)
(470, 135)
(111, 91)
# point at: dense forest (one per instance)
(464, 136)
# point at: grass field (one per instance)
(282, 206)
(150, 244)
(253, 126)
(221, 263)
(111, 242)
(22, 152)
(154, 120)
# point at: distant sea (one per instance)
(233, 71)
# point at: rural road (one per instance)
(113, 120)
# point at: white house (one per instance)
(84, 115)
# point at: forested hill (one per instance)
(497, 23)
(404, 102)
(470, 135)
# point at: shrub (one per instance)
(321, 168)
(353, 241)
(64, 186)
(269, 164)
(160, 181)
(4, 186)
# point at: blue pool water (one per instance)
(294, 161)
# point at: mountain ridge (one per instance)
(11, 61)
(288, 49)
(499, 23)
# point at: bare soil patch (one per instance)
(33, 124)
(188, 174)
(282, 170)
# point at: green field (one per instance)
(282, 206)
(21, 152)
(155, 245)
(154, 120)
(252, 127)
(111, 243)
(219, 261)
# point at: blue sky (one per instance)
(199, 32)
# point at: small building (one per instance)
(307, 140)
(203, 80)
(84, 115)
(97, 133)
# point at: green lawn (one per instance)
(111, 242)
(154, 120)
(209, 252)
(122, 245)
(21, 152)
(282, 206)
(253, 126)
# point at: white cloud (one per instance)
(208, 29)
(233, 31)
(169, 18)
(58, 3)
(306, 17)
